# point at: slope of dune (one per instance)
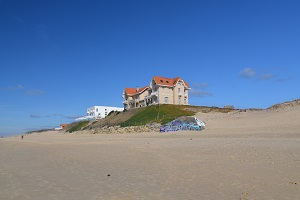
(278, 120)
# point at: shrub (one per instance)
(77, 126)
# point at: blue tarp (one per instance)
(183, 123)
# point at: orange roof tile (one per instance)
(132, 91)
(168, 81)
(63, 125)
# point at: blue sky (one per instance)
(60, 57)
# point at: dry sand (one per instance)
(240, 155)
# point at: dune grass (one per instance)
(157, 113)
(77, 126)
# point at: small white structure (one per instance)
(98, 112)
(61, 127)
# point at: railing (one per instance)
(131, 101)
(154, 94)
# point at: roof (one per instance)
(132, 91)
(168, 81)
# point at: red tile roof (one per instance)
(168, 81)
(63, 125)
(132, 91)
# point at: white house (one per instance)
(98, 112)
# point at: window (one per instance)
(166, 99)
(179, 100)
(167, 81)
(184, 100)
(178, 90)
(96, 109)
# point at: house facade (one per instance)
(98, 112)
(160, 91)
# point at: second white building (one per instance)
(99, 112)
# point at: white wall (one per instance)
(101, 111)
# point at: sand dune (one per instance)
(240, 155)
(281, 122)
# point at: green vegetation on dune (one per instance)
(157, 113)
(77, 126)
(161, 114)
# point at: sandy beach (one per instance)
(240, 155)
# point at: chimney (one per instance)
(137, 88)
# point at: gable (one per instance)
(134, 91)
(169, 82)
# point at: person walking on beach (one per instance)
(22, 137)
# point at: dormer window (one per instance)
(161, 81)
(167, 81)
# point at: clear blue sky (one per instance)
(59, 57)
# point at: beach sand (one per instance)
(240, 155)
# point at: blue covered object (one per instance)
(183, 123)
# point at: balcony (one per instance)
(154, 94)
(133, 101)
(130, 101)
